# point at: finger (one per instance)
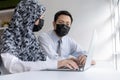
(82, 60)
(82, 56)
(73, 64)
(69, 66)
(75, 60)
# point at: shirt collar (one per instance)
(55, 36)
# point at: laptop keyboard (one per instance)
(81, 68)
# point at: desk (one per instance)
(101, 71)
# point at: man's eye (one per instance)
(61, 22)
(68, 24)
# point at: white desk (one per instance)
(101, 71)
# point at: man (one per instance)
(58, 46)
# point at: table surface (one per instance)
(101, 71)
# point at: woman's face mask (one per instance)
(39, 26)
(62, 30)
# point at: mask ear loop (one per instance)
(41, 22)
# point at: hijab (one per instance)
(18, 39)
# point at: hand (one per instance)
(69, 63)
(82, 59)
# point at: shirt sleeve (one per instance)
(76, 50)
(15, 65)
(46, 44)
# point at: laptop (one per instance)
(90, 52)
(88, 60)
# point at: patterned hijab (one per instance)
(18, 39)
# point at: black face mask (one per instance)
(39, 26)
(62, 30)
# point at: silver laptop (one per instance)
(88, 60)
(90, 52)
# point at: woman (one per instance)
(20, 51)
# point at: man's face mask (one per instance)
(39, 26)
(62, 30)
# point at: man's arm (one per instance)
(79, 53)
(46, 43)
(76, 50)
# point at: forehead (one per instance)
(64, 18)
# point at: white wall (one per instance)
(88, 15)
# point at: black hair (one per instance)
(62, 12)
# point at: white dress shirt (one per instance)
(49, 42)
(15, 65)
